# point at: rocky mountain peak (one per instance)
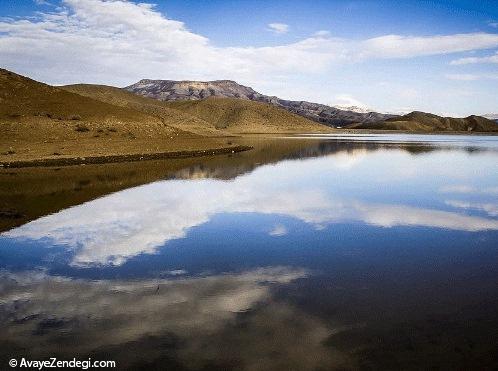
(170, 90)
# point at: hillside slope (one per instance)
(122, 98)
(213, 116)
(244, 116)
(426, 122)
(42, 122)
(32, 109)
(169, 90)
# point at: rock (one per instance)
(169, 90)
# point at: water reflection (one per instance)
(326, 254)
(337, 188)
(194, 318)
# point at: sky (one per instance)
(390, 56)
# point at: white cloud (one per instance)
(322, 33)
(493, 24)
(471, 76)
(473, 60)
(278, 28)
(278, 230)
(491, 208)
(468, 189)
(462, 76)
(395, 46)
(118, 42)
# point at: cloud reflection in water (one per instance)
(139, 220)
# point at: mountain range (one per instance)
(94, 118)
(427, 122)
(37, 119)
(169, 90)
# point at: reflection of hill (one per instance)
(271, 151)
(27, 194)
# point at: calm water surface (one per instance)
(354, 252)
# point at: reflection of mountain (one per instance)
(188, 320)
(115, 228)
(26, 194)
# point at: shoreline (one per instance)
(82, 159)
(102, 159)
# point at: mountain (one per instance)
(245, 116)
(212, 116)
(427, 122)
(492, 116)
(169, 90)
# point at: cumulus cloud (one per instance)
(118, 42)
(278, 28)
(474, 60)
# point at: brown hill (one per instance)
(39, 121)
(122, 98)
(427, 122)
(212, 116)
(245, 116)
(35, 110)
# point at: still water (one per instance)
(354, 252)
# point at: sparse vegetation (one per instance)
(82, 128)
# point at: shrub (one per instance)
(82, 128)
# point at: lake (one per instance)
(306, 253)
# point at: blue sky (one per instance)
(437, 56)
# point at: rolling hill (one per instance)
(33, 110)
(123, 98)
(39, 122)
(211, 116)
(243, 116)
(427, 122)
(73, 123)
(169, 90)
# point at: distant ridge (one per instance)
(427, 122)
(170, 90)
(492, 116)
